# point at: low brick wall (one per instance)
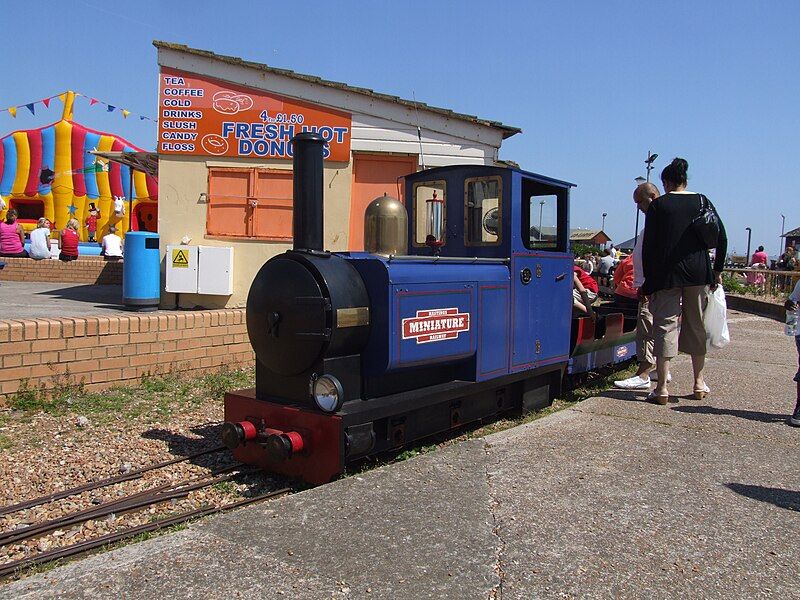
(103, 351)
(87, 269)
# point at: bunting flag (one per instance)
(31, 106)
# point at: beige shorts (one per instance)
(667, 306)
(644, 333)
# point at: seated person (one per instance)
(584, 293)
(111, 246)
(624, 292)
(12, 237)
(40, 240)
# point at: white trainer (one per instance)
(654, 376)
(633, 383)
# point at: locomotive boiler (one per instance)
(363, 352)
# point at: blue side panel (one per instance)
(9, 166)
(541, 309)
(494, 304)
(432, 323)
(90, 143)
(48, 155)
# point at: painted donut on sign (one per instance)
(229, 103)
(214, 144)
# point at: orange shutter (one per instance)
(228, 212)
(273, 213)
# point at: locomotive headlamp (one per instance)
(328, 393)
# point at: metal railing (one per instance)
(760, 282)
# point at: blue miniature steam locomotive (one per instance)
(461, 315)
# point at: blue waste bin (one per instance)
(141, 271)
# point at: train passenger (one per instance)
(68, 241)
(584, 293)
(678, 275)
(643, 195)
(625, 294)
(12, 237)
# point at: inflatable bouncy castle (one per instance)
(52, 172)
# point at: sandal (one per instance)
(701, 394)
(657, 398)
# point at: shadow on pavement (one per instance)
(787, 499)
(634, 396)
(751, 415)
(109, 296)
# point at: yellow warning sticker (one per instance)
(180, 259)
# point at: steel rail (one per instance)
(110, 538)
(102, 483)
(123, 505)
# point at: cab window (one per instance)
(544, 217)
(482, 211)
(430, 199)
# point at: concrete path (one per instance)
(614, 498)
(33, 300)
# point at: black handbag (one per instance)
(706, 224)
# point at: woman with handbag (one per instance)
(680, 228)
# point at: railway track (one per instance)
(129, 504)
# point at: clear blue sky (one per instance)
(594, 85)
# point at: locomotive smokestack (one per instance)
(307, 215)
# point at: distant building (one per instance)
(792, 238)
(593, 237)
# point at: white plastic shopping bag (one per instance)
(715, 320)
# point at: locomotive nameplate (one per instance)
(352, 317)
(435, 325)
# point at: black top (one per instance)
(672, 254)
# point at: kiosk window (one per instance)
(482, 211)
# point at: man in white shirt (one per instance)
(643, 195)
(111, 245)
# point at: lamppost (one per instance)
(603, 226)
(541, 207)
(783, 224)
(747, 256)
(639, 181)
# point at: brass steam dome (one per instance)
(386, 227)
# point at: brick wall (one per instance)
(103, 351)
(87, 269)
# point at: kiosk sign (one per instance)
(199, 116)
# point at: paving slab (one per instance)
(33, 300)
(613, 498)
